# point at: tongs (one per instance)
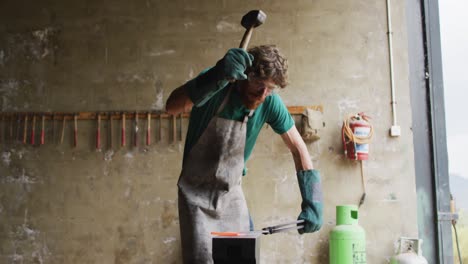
(299, 224)
(283, 227)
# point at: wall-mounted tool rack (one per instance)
(293, 110)
(21, 126)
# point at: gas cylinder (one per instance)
(347, 239)
(409, 252)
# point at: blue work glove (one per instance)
(231, 67)
(312, 204)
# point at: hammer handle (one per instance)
(42, 130)
(11, 127)
(174, 128)
(160, 128)
(25, 129)
(75, 131)
(33, 130)
(98, 132)
(246, 38)
(148, 130)
(63, 130)
(111, 127)
(122, 143)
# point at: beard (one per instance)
(251, 103)
(250, 99)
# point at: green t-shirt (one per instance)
(272, 111)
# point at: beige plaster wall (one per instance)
(60, 204)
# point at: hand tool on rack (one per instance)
(25, 128)
(98, 132)
(63, 130)
(111, 131)
(54, 128)
(12, 119)
(18, 128)
(174, 128)
(75, 130)
(33, 130)
(148, 129)
(267, 230)
(43, 130)
(135, 133)
(9, 132)
(7, 128)
(160, 127)
(123, 131)
(10, 129)
(181, 127)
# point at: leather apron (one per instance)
(210, 192)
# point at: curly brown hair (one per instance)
(269, 63)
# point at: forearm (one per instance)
(231, 67)
(298, 148)
(308, 180)
(205, 86)
(301, 157)
(195, 92)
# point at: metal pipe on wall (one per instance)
(395, 129)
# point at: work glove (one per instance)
(230, 68)
(234, 64)
(312, 204)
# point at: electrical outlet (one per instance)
(395, 131)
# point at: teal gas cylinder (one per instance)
(347, 239)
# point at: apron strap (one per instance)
(246, 117)
(223, 104)
(226, 99)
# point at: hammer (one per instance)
(251, 20)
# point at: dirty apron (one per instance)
(210, 192)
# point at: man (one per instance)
(229, 104)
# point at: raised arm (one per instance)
(200, 89)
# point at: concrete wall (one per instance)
(60, 204)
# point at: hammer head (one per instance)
(253, 18)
